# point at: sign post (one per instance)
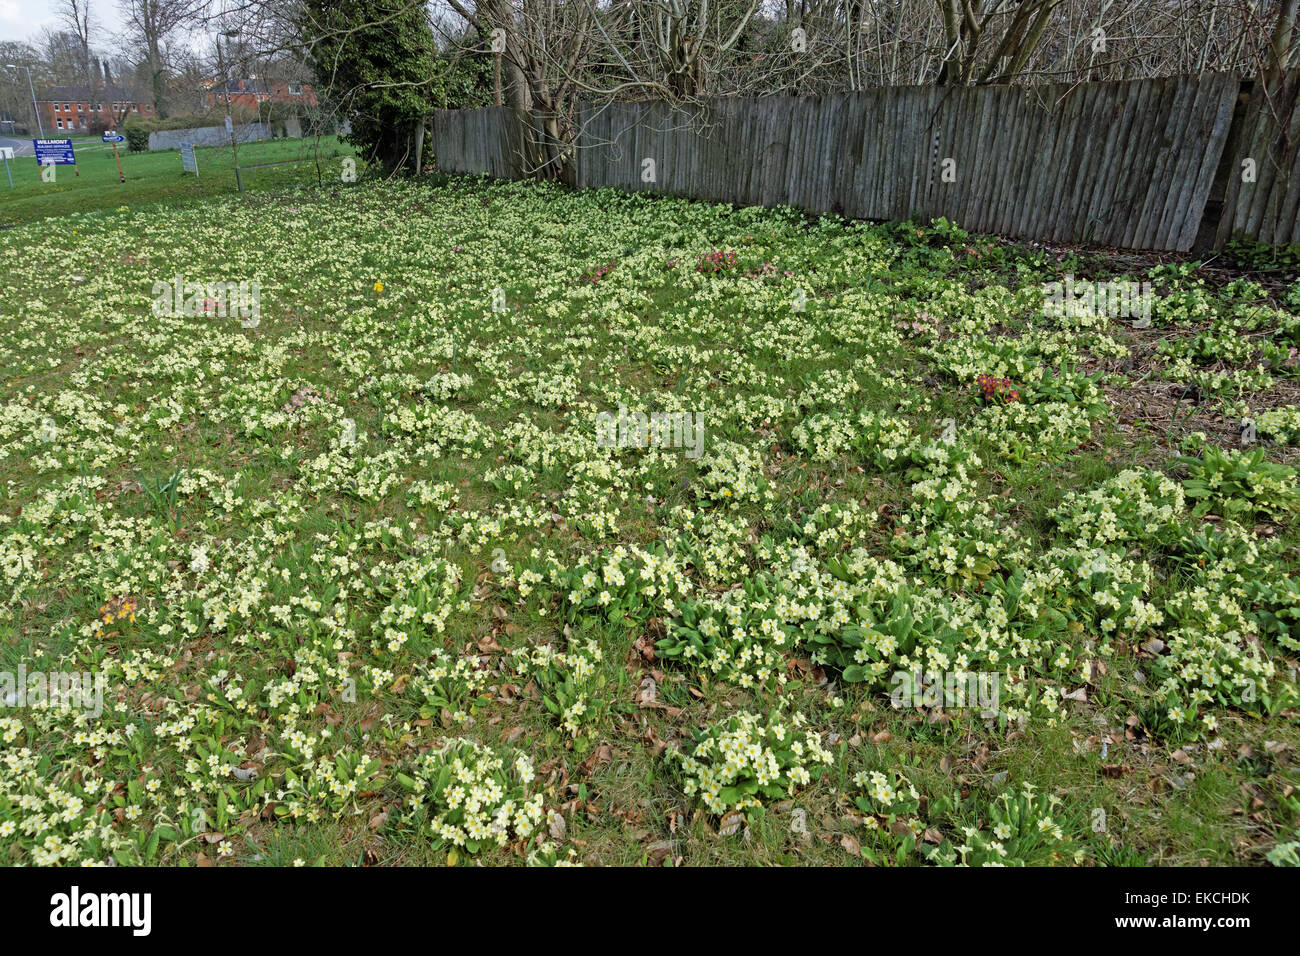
(230, 128)
(54, 152)
(114, 137)
(7, 153)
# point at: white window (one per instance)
(56, 107)
(59, 123)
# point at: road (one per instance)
(21, 147)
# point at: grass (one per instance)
(321, 557)
(157, 177)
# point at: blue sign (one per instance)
(54, 152)
(111, 137)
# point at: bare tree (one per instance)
(15, 96)
(545, 47)
(1017, 27)
(153, 25)
(75, 14)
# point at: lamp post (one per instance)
(225, 83)
(30, 86)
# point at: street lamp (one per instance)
(225, 83)
(35, 108)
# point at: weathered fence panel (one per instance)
(1127, 163)
(1268, 151)
(491, 140)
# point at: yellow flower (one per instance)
(379, 287)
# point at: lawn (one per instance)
(157, 177)
(903, 565)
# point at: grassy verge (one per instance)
(386, 572)
(157, 177)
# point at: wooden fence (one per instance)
(1265, 145)
(1142, 164)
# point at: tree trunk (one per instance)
(1283, 31)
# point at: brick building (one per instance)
(71, 107)
(253, 92)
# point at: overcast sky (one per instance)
(23, 19)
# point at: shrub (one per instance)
(137, 138)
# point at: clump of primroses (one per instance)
(599, 272)
(997, 390)
(719, 260)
